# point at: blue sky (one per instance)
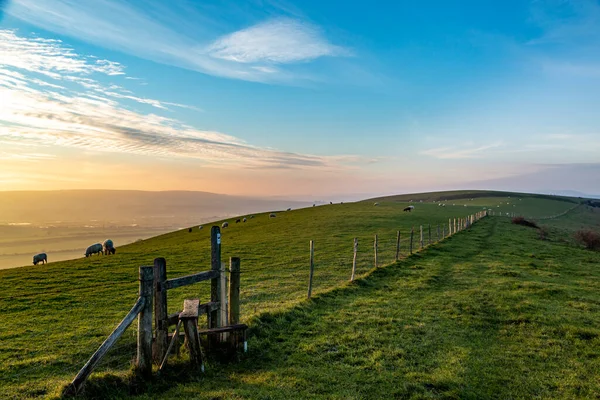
(301, 98)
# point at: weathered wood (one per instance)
(144, 339)
(174, 338)
(223, 329)
(312, 268)
(223, 297)
(215, 283)
(429, 230)
(77, 383)
(375, 250)
(190, 327)
(205, 308)
(354, 259)
(191, 279)
(161, 325)
(412, 232)
(397, 245)
(234, 290)
(190, 308)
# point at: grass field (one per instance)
(492, 312)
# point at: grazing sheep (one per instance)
(409, 208)
(331, 202)
(272, 215)
(237, 221)
(314, 205)
(252, 216)
(109, 247)
(289, 209)
(224, 224)
(40, 258)
(375, 204)
(244, 220)
(189, 230)
(200, 227)
(96, 248)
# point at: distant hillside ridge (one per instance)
(469, 194)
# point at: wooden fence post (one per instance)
(443, 231)
(215, 283)
(449, 227)
(312, 268)
(234, 290)
(144, 338)
(160, 308)
(421, 241)
(429, 229)
(354, 259)
(397, 245)
(375, 248)
(223, 296)
(454, 231)
(412, 232)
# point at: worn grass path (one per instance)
(490, 313)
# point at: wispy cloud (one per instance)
(281, 40)
(463, 152)
(149, 33)
(33, 113)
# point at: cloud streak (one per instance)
(38, 112)
(458, 153)
(246, 54)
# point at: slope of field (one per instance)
(74, 305)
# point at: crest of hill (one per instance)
(469, 194)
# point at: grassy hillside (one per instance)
(74, 305)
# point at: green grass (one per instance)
(492, 312)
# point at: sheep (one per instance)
(224, 224)
(409, 208)
(189, 230)
(252, 216)
(237, 221)
(200, 227)
(244, 220)
(96, 248)
(42, 257)
(289, 209)
(272, 215)
(375, 204)
(109, 247)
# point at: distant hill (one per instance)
(469, 194)
(128, 207)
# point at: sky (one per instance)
(300, 99)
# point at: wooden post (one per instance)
(189, 316)
(160, 308)
(234, 290)
(421, 242)
(454, 231)
(412, 232)
(225, 304)
(312, 268)
(443, 231)
(449, 227)
(429, 229)
(438, 233)
(215, 283)
(397, 245)
(144, 339)
(375, 248)
(354, 259)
